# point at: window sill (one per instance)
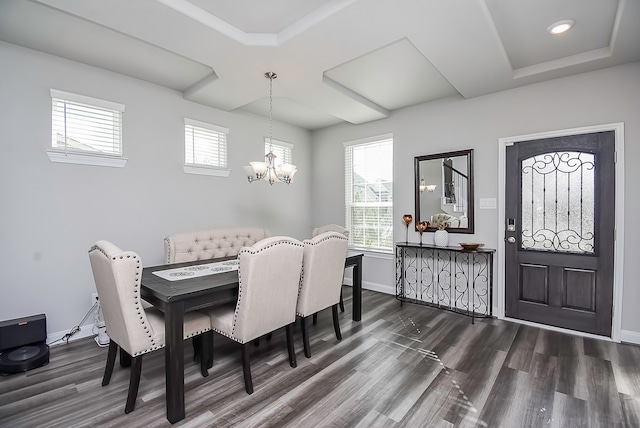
(203, 170)
(86, 159)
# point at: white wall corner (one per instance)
(629, 336)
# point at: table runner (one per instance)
(198, 270)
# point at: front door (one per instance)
(560, 229)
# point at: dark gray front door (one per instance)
(559, 235)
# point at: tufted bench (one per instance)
(210, 243)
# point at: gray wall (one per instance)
(52, 213)
(606, 96)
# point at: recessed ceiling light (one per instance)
(561, 26)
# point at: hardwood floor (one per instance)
(409, 366)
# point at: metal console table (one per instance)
(446, 277)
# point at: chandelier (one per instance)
(270, 170)
(424, 186)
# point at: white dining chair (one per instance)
(269, 277)
(321, 283)
(131, 328)
(331, 228)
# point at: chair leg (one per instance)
(290, 348)
(246, 368)
(197, 347)
(315, 318)
(206, 352)
(269, 335)
(341, 301)
(336, 322)
(208, 337)
(305, 338)
(256, 342)
(111, 361)
(125, 358)
(134, 383)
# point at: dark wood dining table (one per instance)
(174, 298)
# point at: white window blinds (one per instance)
(282, 150)
(205, 144)
(83, 124)
(369, 193)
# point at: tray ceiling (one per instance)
(337, 61)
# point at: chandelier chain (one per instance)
(271, 77)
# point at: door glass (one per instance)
(558, 202)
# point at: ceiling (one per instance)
(337, 61)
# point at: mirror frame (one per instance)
(470, 196)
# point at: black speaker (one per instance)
(22, 344)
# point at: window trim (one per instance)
(214, 171)
(362, 141)
(86, 158)
(76, 158)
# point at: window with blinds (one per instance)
(205, 144)
(282, 150)
(369, 193)
(81, 124)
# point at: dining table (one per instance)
(176, 297)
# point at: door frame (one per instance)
(618, 284)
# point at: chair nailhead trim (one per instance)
(228, 335)
(140, 311)
(168, 245)
(326, 238)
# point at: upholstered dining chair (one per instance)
(269, 277)
(132, 328)
(321, 283)
(331, 228)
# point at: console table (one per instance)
(445, 277)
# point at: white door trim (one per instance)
(618, 284)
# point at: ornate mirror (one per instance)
(444, 190)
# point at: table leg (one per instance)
(174, 361)
(357, 290)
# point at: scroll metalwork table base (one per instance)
(446, 277)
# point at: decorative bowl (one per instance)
(469, 246)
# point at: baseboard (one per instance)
(85, 331)
(629, 336)
(373, 286)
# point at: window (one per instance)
(369, 193)
(282, 150)
(205, 148)
(85, 130)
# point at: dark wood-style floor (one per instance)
(409, 366)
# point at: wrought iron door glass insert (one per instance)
(558, 200)
(447, 278)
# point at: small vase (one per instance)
(441, 238)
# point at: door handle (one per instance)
(511, 240)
